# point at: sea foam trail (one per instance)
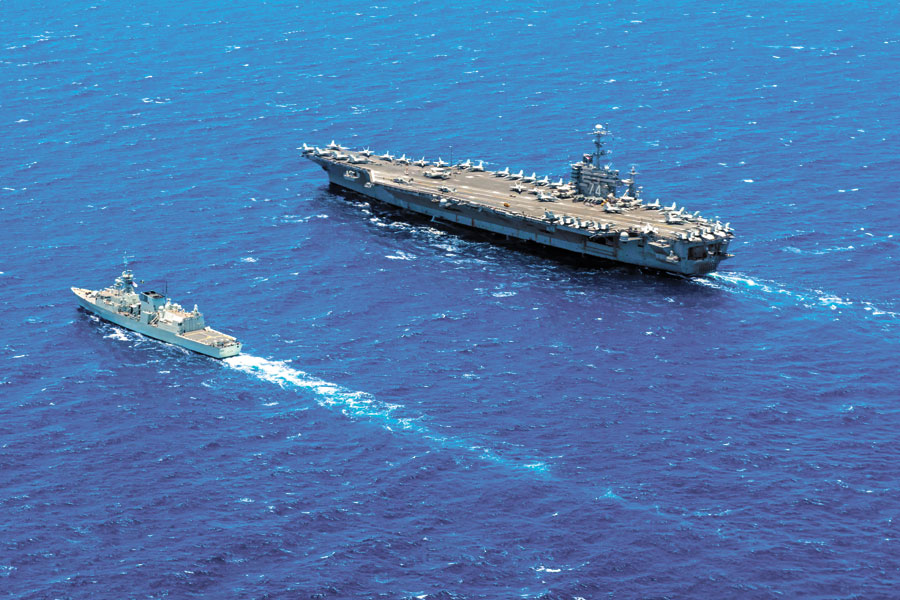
(363, 406)
(811, 299)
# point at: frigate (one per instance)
(590, 215)
(154, 315)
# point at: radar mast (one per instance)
(599, 133)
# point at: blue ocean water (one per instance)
(424, 414)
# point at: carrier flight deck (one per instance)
(586, 215)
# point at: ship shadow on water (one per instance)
(622, 272)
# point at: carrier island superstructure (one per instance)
(597, 213)
(156, 316)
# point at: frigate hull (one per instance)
(476, 209)
(154, 332)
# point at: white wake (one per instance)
(362, 406)
(811, 299)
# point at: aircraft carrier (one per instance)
(588, 215)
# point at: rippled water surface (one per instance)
(420, 413)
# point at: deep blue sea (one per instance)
(420, 413)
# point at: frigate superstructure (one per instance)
(156, 316)
(588, 215)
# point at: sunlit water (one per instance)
(423, 414)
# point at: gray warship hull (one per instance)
(484, 201)
(191, 340)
